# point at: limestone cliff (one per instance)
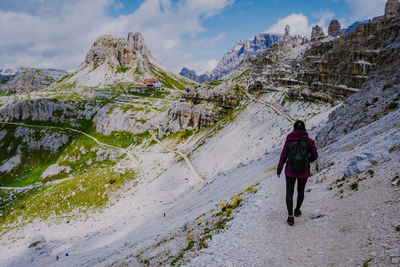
(31, 79)
(378, 96)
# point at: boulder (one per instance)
(361, 162)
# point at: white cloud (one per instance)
(58, 34)
(300, 24)
(366, 9)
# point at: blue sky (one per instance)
(191, 33)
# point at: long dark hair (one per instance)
(299, 125)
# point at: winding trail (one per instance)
(62, 129)
(129, 152)
(269, 105)
(189, 163)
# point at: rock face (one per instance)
(199, 107)
(118, 51)
(47, 140)
(33, 80)
(334, 29)
(317, 33)
(360, 163)
(391, 8)
(72, 114)
(381, 94)
(329, 70)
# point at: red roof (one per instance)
(150, 80)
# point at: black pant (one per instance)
(301, 184)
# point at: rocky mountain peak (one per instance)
(118, 51)
(241, 51)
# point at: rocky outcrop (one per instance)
(361, 163)
(199, 107)
(334, 29)
(317, 33)
(112, 118)
(31, 79)
(118, 51)
(43, 139)
(391, 8)
(379, 96)
(73, 114)
(7, 73)
(330, 69)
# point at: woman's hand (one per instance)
(279, 176)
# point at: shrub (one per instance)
(393, 105)
(386, 86)
(354, 186)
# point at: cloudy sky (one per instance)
(191, 33)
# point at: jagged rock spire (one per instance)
(287, 33)
(317, 33)
(334, 28)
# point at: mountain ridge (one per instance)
(240, 51)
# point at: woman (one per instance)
(297, 152)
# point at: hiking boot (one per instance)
(297, 213)
(290, 220)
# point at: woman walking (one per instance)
(299, 150)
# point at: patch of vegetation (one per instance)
(366, 263)
(5, 93)
(216, 82)
(195, 234)
(387, 86)
(241, 75)
(354, 186)
(166, 80)
(33, 161)
(121, 139)
(85, 192)
(393, 105)
(179, 136)
(121, 69)
(152, 93)
(138, 72)
(124, 108)
(398, 228)
(371, 173)
(152, 143)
